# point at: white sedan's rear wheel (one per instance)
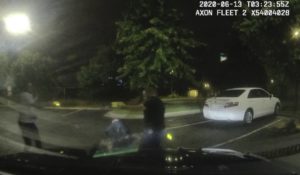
(248, 117)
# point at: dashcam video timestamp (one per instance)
(243, 8)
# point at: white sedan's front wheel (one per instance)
(248, 117)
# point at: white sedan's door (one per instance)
(269, 104)
(256, 102)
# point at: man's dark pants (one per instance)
(30, 134)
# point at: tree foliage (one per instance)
(270, 40)
(4, 70)
(35, 68)
(154, 46)
(98, 78)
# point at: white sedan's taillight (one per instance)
(231, 104)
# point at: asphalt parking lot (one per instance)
(83, 129)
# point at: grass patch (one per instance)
(138, 110)
(81, 103)
(128, 111)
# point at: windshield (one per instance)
(101, 78)
(231, 93)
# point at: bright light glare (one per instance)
(193, 93)
(17, 23)
(223, 58)
(56, 103)
(296, 33)
(206, 85)
(172, 72)
(169, 136)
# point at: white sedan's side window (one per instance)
(258, 93)
(263, 94)
(253, 94)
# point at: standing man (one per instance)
(154, 123)
(27, 119)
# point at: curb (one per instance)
(167, 115)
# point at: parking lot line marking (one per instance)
(71, 113)
(182, 126)
(245, 135)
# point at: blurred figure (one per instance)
(154, 123)
(27, 119)
(118, 133)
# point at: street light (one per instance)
(296, 33)
(296, 36)
(206, 85)
(223, 57)
(17, 23)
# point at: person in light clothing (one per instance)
(27, 119)
(118, 133)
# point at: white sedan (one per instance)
(241, 104)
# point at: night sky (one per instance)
(78, 27)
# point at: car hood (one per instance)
(169, 161)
